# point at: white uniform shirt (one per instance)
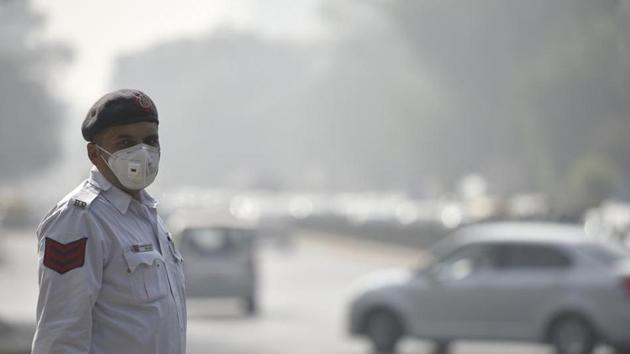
(127, 295)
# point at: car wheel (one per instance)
(384, 330)
(251, 305)
(440, 347)
(573, 335)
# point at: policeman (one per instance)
(110, 278)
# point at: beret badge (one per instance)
(143, 101)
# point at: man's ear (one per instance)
(93, 154)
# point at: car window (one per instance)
(606, 252)
(213, 240)
(465, 261)
(207, 240)
(520, 256)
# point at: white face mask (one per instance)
(135, 167)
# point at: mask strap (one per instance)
(105, 151)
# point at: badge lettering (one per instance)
(142, 248)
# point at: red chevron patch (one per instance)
(63, 258)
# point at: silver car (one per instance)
(220, 261)
(504, 281)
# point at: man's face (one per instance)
(121, 137)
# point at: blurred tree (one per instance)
(273, 109)
(234, 98)
(29, 114)
(406, 94)
(534, 84)
(591, 180)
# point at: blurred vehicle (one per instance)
(16, 338)
(504, 281)
(220, 260)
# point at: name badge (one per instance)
(142, 248)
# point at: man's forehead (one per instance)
(138, 130)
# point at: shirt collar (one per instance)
(117, 197)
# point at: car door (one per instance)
(452, 297)
(529, 279)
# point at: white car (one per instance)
(504, 281)
(220, 261)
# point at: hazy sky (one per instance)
(519, 84)
(99, 31)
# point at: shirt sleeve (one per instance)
(70, 261)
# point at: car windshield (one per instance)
(437, 252)
(210, 240)
(607, 252)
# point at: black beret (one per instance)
(118, 108)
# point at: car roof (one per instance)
(185, 219)
(523, 232)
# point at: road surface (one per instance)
(304, 292)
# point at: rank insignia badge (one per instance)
(62, 257)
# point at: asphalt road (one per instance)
(304, 292)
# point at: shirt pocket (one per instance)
(177, 259)
(147, 275)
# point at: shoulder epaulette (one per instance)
(84, 197)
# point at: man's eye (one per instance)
(153, 142)
(125, 143)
